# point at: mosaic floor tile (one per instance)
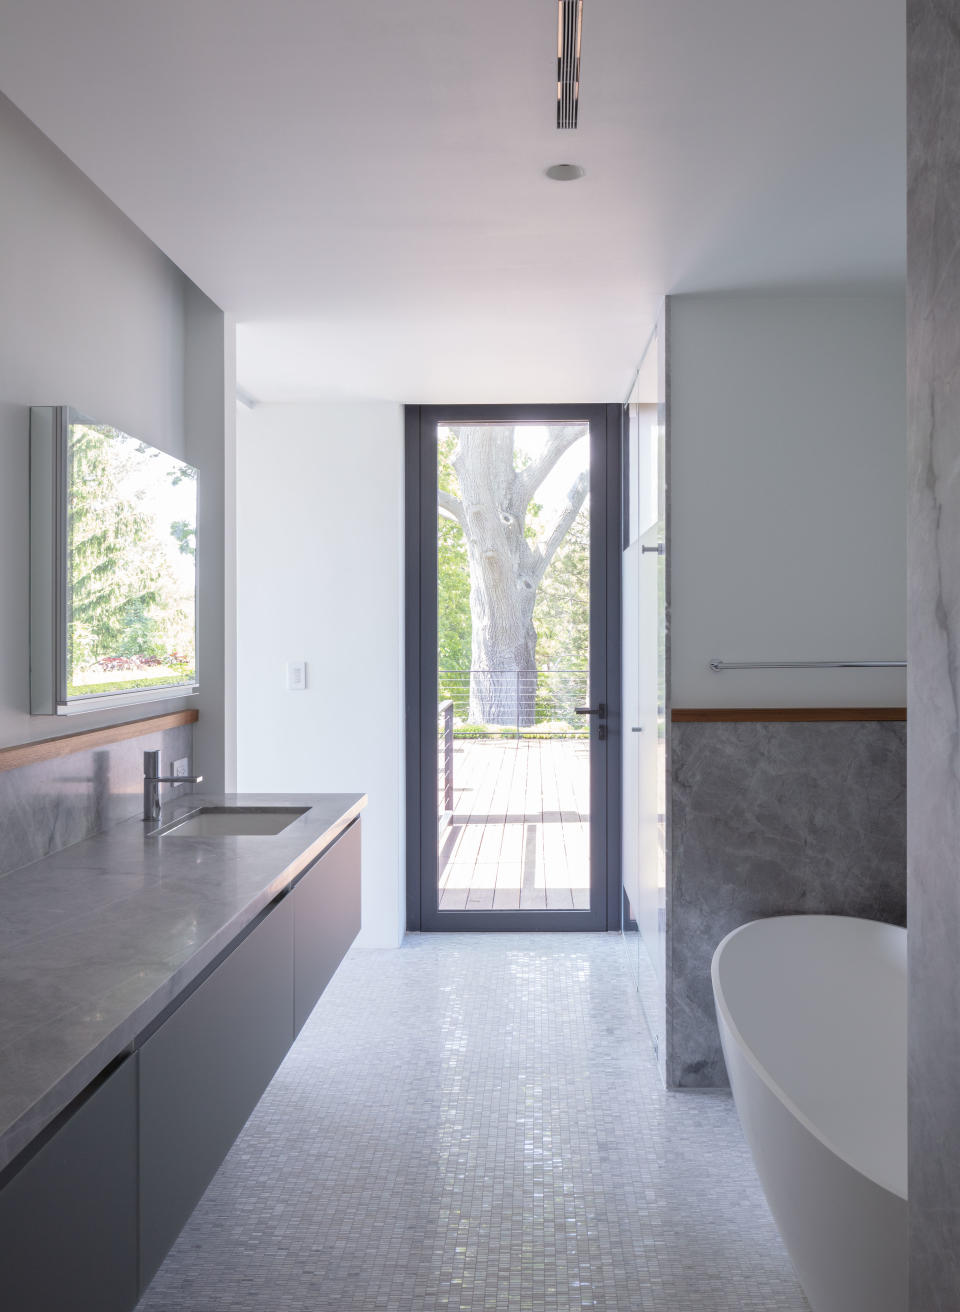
(476, 1123)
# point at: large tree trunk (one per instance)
(505, 570)
(503, 584)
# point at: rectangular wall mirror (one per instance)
(113, 568)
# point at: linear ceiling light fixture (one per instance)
(569, 25)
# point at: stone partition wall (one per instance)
(933, 389)
(48, 805)
(773, 818)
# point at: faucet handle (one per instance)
(152, 779)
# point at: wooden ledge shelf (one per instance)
(48, 749)
(785, 714)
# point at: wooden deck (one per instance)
(520, 833)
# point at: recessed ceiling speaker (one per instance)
(565, 172)
(569, 26)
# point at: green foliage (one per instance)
(183, 474)
(542, 729)
(453, 582)
(124, 598)
(561, 615)
(121, 685)
(184, 533)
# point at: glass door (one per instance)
(516, 599)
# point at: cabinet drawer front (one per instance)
(68, 1229)
(326, 920)
(203, 1072)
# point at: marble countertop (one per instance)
(96, 940)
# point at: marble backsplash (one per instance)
(773, 818)
(49, 805)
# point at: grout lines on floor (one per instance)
(474, 1123)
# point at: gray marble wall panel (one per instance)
(933, 381)
(774, 819)
(52, 804)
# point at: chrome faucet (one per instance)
(152, 779)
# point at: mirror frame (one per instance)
(49, 492)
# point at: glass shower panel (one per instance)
(645, 700)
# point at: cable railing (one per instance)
(445, 764)
(516, 703)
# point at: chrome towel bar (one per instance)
(719, 666)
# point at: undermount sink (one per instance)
(227, 821)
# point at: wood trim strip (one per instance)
(48, 749)
(786, 714)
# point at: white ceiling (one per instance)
(362, 183)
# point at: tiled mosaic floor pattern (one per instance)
(473, 1123)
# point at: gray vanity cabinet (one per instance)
(87, 1218)
(326, 904)
(204, 1070)
(68, 1217)
(202, 1073)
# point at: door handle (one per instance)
(600, 711)
(637, 728)
(657, 550)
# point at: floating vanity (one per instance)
(152, 978)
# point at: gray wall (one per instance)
(95, 316)
(774, 819)
(933, 356)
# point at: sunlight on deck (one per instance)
(519, 836)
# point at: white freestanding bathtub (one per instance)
(813, 1022)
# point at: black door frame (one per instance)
(420, 566)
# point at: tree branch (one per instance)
(575, 499)
(448, 505)
(562, 438)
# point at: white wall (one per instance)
(320, 579)
(93, 315)
(788, 485)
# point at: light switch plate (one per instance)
(181, 768)
(296, 676)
